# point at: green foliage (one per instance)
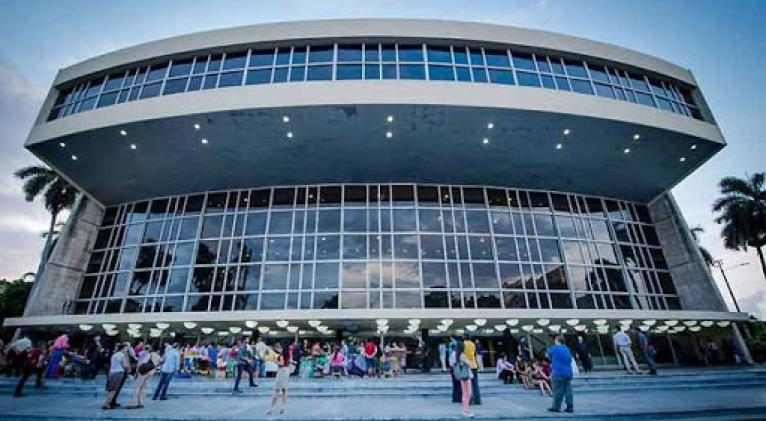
(13, 297)
(39, 180)
(696, 231)
(742, 212)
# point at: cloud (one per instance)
(755, 304)
(20, 222)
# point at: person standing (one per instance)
(284, 361)
(524, 350)
(443, 356)
(260, 354)
(456, 394)
(462, 373)
(244, 363)
(26, 359)
(60, 345)
(561, 375)
(147, 365)
(212, 356)
(170, 365)
(370, 350)
(479, 355)
(93, 354)
(469, 349)
(583, 353)
(623, 344)
(648, 350)
(117, 366)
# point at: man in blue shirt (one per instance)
(170, 365)
(561, 375)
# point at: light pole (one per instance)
(719, 264)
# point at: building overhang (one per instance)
(398, 320)
(339, 135)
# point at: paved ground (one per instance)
(677, 395)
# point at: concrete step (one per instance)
(724, 414)
(314, 390)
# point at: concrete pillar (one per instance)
(742, 345)
(672, 348)
(695, 285)
(67, 262)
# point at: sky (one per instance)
(723, 43)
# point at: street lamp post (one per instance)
(719, 264)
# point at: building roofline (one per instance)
(362, 28)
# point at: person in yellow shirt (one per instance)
(470, 356)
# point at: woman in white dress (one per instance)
(283, 375)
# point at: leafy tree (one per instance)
(57, 194)
(696, 231)
(13, 297)
(742, 212)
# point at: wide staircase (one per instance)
(435, 384)
(605, 394)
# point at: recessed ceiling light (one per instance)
(559, 146)
(289, 135)
(626, 150)
(636, 136)
(123, 133)
(74, 157)
(390, 119)
(285, 119)
(566, 132)
(490, 125)
(693, 147)
(133, 146)
(389, 134)
(485, 140)
(203, 141)
(62, 144)
(682, 159)
(197, 126)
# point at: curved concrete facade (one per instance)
(374, 28)
(522, 114)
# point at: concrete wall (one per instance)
(696, 287)
(61, 278)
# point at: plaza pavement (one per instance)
(675, 394)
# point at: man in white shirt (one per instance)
(260, 353)
(117, 366)
(622, 342)
(170, 365)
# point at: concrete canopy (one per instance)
(339, 136)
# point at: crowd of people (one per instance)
(550, 373)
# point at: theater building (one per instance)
(397, 177)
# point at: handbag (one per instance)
(575, 369)
(145, 367)
(461, 371)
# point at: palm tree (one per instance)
(57, 193)
(742, 211)
(696, 231)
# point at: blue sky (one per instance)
(723, 42)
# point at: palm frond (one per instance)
(34, 186)
(736, 186)
(32, 170)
